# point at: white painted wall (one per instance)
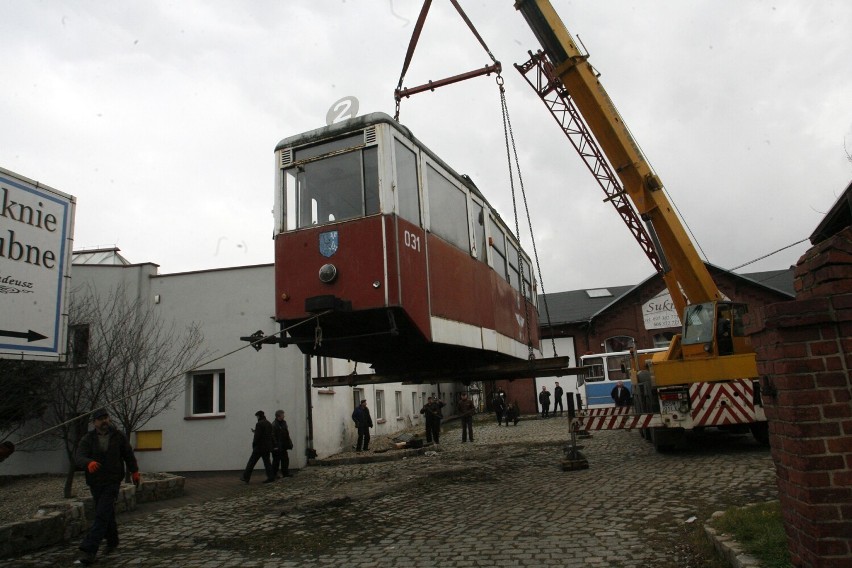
(564, 346)
(230, 303)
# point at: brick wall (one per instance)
(804, 354)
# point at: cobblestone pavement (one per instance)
(501, 501)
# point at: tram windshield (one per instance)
(331, 189)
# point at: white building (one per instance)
(208, 428)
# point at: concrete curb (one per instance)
(728, 548)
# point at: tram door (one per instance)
(411, 290)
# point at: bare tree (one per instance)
(154, 356)
(82, 387)
(25, 391)
(122, 355)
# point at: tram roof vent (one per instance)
(370, 135)
(286, 157)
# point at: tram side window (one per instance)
(478, 222)
(528, 278)
(371, 180)
(448, 210)
(406, 183)
(498, 248)
(514, 275)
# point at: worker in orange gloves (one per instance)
(103, 453)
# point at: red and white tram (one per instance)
(406, 261)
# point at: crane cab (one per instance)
(714, 328)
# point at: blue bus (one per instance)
(605, 370)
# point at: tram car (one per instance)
(385, 255)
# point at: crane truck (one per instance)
(708, 375)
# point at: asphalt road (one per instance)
(503, 500)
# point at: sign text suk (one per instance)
(36, 232)
(659, 312)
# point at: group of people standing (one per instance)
(505, 411)
(269, 439)
(432, 412)
(433, 415)
(544, 401)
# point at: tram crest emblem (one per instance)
(328, 243)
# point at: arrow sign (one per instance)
(30, 336)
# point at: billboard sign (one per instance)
(659, 312)
(36, 235)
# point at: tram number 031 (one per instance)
(412, 241)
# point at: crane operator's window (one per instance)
(330, 189)
(698, 324)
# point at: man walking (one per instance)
(467, 410)
(103, 454)
(261, 446)
(282, 443)
(544, 400)
(363, 422)
(557, 399)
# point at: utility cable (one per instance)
(168, 379)
(767, 255)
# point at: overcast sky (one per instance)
(161, 117)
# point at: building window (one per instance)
(380, 405)
(207, 393)
(357, 397)
(414, 409)
(422, 399)
(149, 441)
(618, 343)
(78, 344)
(398, 401)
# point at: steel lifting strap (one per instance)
(399, 92)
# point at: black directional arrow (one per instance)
(30, 335)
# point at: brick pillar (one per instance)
(804, 357)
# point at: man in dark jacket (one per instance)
(544, 400)
(500, 407)
(620, 395)
(261, 446)
(281, 437)
(432, 411)
(557, 399)
(466, 410)
(103, 454)
(363, 422)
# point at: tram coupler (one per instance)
(258, 339)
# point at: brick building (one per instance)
(804, 357)
(616, 318)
